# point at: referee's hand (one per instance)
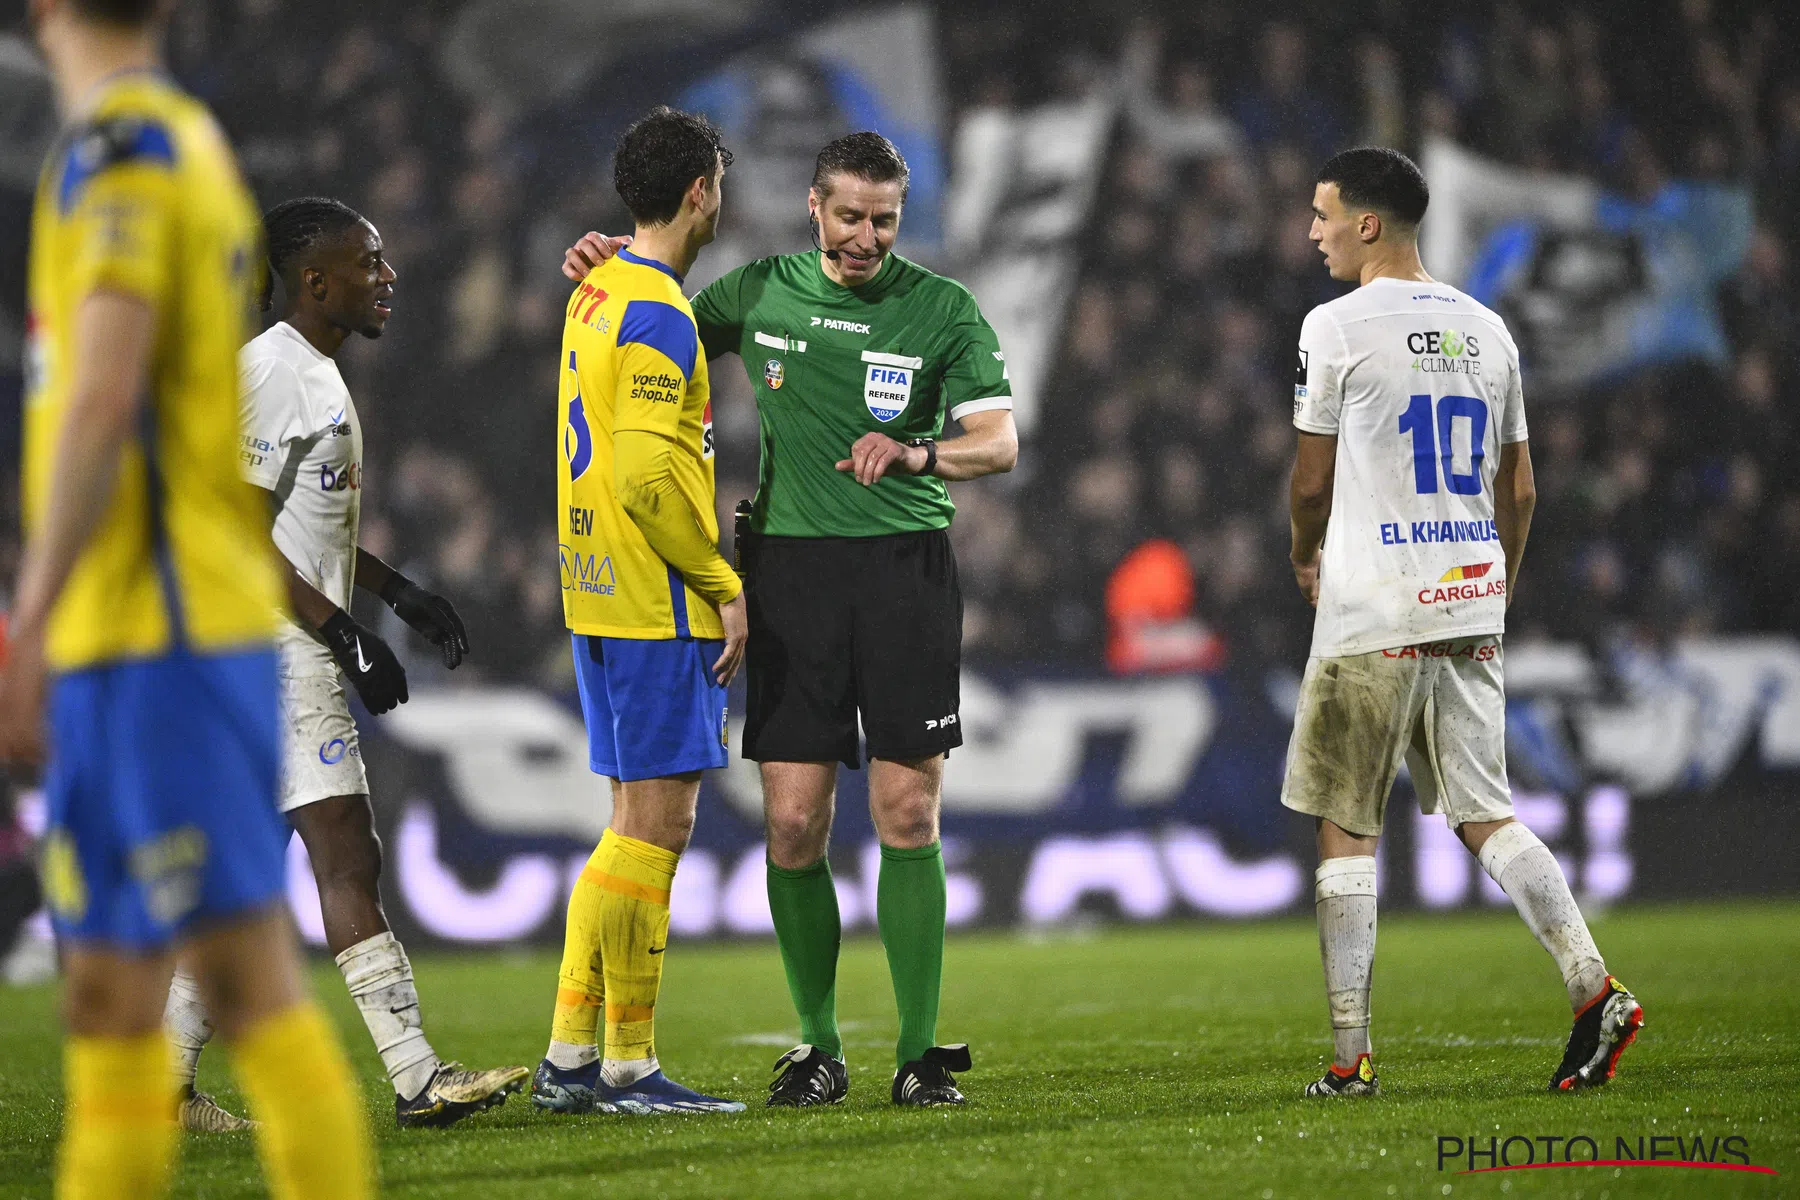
(876, 454)
(592, 250)
(735, 616)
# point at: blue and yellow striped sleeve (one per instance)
(657, 349)
(116, 192)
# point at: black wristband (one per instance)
(338, 628)
(390, 591)
(930, 445)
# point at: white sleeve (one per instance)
(1512, 413)
(1318, 376)
(271, 416)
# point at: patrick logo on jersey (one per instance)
(1463, 583)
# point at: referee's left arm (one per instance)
(978, 396)
(989, 445)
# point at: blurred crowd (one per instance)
(1664, 504)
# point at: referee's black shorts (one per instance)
(841, 626)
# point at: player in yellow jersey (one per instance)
(657, 614)
(146, 608)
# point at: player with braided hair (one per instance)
(302, 443)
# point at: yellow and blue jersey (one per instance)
(142, 196)
(632, 365)
(163, 710)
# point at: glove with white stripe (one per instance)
(370, 666)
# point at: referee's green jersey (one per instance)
(831, 363)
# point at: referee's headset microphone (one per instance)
(812, 223)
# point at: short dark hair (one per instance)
(1381, 179)
(659, 158)
(296, 226)
(130, 13)
(866, 155)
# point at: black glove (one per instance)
(373, 670)
(430, 614)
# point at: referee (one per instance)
(856, 356)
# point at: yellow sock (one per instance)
(119, 1133)
(580, 986)
(634, 879)
(314, 1135)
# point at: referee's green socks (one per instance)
(909, 908)
(804, 904)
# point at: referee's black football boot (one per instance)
(925, 1082)
(1357, 1081)
(808, 1076)
(1603, 1028)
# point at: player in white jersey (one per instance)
(1412, 441)
(302, 443)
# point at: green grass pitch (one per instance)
(1147, 1062)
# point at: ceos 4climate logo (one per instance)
(1445, 352)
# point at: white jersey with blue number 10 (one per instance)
(1420, 385)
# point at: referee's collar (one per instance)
(665, 268)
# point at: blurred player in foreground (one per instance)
(1412, 441)
(302, 443)
(657, 613)
(858, 358)
(147, 601)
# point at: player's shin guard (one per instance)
(119, 1131)
(1344, 891)
(580, 983)
(909, 910)
(313, 1137)
(380, 979)
(1529, 875)
(634, 879)
(808, 930)
(187, 1027)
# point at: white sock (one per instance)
(380, 980)
(1344, 892)
(1527, 872)
(566, 1056)
(185, 1023)
(619, 1072)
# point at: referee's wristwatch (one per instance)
(930, 445)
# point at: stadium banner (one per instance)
(1022, 191)
(1081, 797)
(1594, 284)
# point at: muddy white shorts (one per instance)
(1441, 706)
(321, 755)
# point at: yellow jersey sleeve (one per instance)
(120, 199)
(658, 345)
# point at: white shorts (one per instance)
(1441, 706)
(322, 756)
